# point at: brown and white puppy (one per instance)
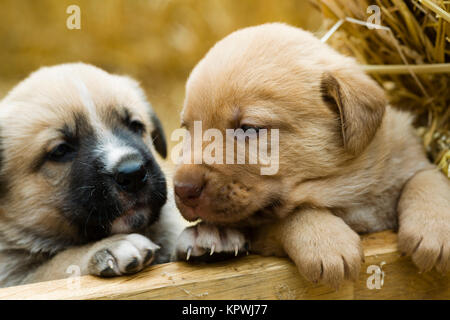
(80, 183)
(348, 162)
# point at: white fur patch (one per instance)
(111, 150)
(112, 153)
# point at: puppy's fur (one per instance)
(348, 164)
(65, 132)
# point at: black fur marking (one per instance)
(94, 200)
(72, 136)
(156, 188)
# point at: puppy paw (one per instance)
(331, 259)
(204, 242)
(424, 221)
(122, 254)
(427, 241)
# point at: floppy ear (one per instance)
(360, 104)
(159, 139)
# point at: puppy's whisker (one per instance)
(85, 187)
(87, 164)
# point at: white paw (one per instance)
(122, 254)
(210, 242)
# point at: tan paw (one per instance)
(427, 241)
(424, 221)
(330, 258)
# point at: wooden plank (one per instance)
(251, 277)
(402, 279)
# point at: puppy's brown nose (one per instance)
(189, 193)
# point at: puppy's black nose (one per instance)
(131, 175)
(189, 193)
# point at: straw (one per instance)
(408, 53)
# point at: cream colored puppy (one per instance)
(81, 188)
(348, 163)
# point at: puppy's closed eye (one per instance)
(247, 127)
(63, 152)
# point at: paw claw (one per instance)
(427, 245)
(189, 251)
(205, 242)
(111, 264)
(330, 261)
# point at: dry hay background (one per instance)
(421, 33)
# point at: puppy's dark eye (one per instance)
(137, 127)
(62, 153)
